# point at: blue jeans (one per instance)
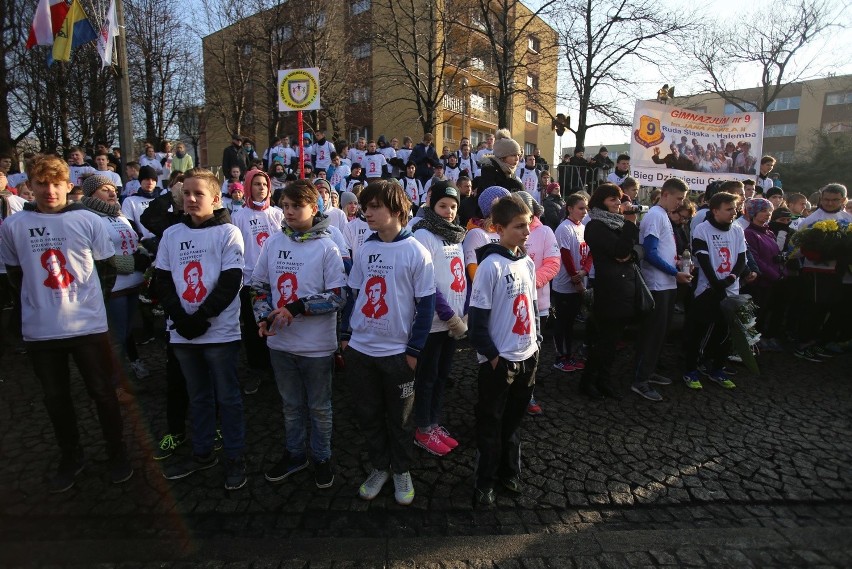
(211, 375)
(120, 311)
(305, 387)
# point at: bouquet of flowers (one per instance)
(740, 314)
(824, 241)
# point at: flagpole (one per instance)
(125, 118)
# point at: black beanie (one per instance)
(442, 189)
(147, 173)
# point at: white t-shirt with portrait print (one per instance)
(297, 269)
(389, 277)
(125, 242)
(256, 226)
(196, 258)
(450, 280)
(507, 288)
(79, 173)
(657, 224)
(724, 247)
(475, 239)
(61, 295)
(541, 245)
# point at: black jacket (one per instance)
(493, 175)
(554, 211)
(615, 281)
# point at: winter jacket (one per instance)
(615, 281)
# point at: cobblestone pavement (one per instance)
(757, 476)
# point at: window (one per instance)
(784, 104)
(448, 132)
(731, 109)
(315, 21)
(477, 63)
(284, 33)
(784, 157)
(837, 126)
(476, 136)
(360, 6)
(534, 44)
(532, 116)
(359, 95)
(532, 81)
(776, 130)
(362, 50)
(355, 133)
(838, 98)
(529, 148)
(477, 102)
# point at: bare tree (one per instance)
(602, 42)
(774, 46)
(12, 13)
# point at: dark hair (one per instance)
(508, 208)
(728, 185)
(572, 200)
(622, 157)
(301, 192)
(722, 198)
(603, 192)
(675, 184)
(389, 194)
(748, 182)
(628, 182)
(767, 160)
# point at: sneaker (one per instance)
(720, 377)
(807, 354)
(533, 408)
(124, 397)
(373, 484)
(691, 380)
(483, 497)
(168, 445)
(705, 369)
(235, 473)
(120, 471)
(323, 474)
(252, 385)
(445, 437)
(66, 474)
(218, 441)
(139, 369)
(431, 441)
(646, 391)
(403, 488)
(286, 467)
(821, 352)
(577, 363)
(563, 365)
(145, 341)
(189, 465)
(659, 379)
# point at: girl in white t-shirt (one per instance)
(480, 232)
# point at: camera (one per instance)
(635, 209)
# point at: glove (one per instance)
(192, 327)
(458, 329)
(141, 261)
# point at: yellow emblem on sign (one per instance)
(649, 132)
(298, 90)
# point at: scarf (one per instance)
(436, 224)
(717, 225)
(101, 207)
(612, 220)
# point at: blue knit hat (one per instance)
(488, 196)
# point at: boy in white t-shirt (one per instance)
(60, 257)
(504, 330)
(393, 282)
(662, 275)
(297, 287)
(199, 272)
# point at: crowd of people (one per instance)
(375, 261)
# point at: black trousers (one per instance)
(604, 334)
(177, 398)
(503, 395)
(567, 307)
(93, 356)
(706, 332)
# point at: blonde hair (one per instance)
(207, 177)
(48, 168)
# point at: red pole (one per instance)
(301, 145)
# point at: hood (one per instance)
(404, 234)
(249, 177)
(496, 249)
(221, 216)
(149, 195)
(317, 231)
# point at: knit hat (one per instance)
(552, 186)
(95, 181)
(323, 182)
(504, 145)
(442, 189)
(347, 198)
(756, 205)
(781, 213)
(773, 191)
(488, 196)
(533, 205)
(579, 149)
(236, 186)
(147, 173)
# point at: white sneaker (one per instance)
(403, 488)
(139, 369)
(373, 485)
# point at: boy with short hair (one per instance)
(134, 205)
(504, 330)
(621, 171)
(60, 257)
(199, 270)
(390, 322)
(131, 186)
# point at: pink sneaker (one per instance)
(445, 437)
(577, 364)
(564, 365)
(431, 442)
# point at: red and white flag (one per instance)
(47, 22)
(108, 31)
